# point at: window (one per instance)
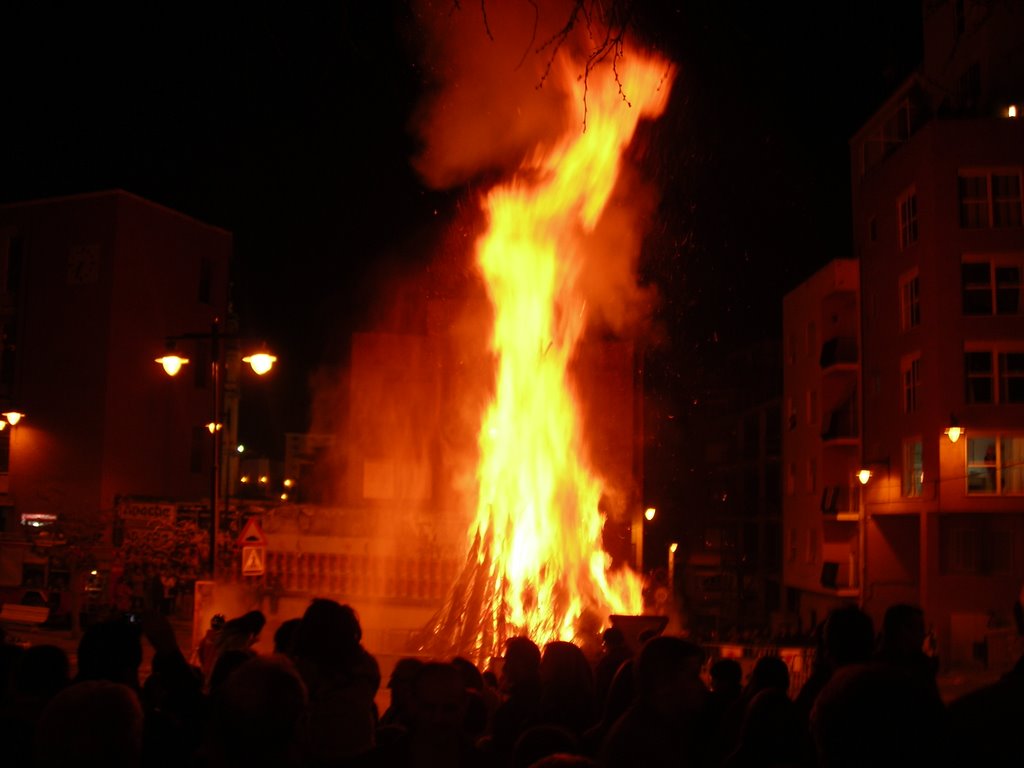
(911, 383)
(812, 340)
(994, 376)
(991, 286)
(794, 543)
(913, 468)
(990, 199)
(995, 465)
(811, 555)
(910, 302)
(875, 383)
(889, 134)
(978, 545)
(812, 406)
(908, 219)
(1006, 211)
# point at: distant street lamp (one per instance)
(672, 568)
(261, 362)
(638, 536)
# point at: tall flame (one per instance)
(537, 564)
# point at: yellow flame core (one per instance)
(537, 513)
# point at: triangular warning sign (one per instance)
(252, 561)
(252, 535)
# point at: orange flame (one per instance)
(538, 526)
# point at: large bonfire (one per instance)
(536, 563)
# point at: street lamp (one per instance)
(672, 568)
(13, 417)
(261, 362)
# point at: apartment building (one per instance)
(937, 223)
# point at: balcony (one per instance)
(841, 426)
(839, 353)
(841, 502)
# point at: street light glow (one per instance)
(13, 417)
(261, 362)
(172, 363)
(649, 513)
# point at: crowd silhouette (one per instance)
(871, 700)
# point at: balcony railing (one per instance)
(841, 423)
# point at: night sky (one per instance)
(289, 126)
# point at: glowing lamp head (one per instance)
(13, 417)
(953, 433)
(864, 475)
(261, 362)
(649, 513)
(1011, 111)
(172, 363)
(213, 427)
(673, 547)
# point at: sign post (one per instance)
(254, 548)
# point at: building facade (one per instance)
(821, 442)
(92, 286)
(937, 223)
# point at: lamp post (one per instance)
(638, 537)
(672, 569)
(261, 362)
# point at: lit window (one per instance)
(913, 468)
(995, 465)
